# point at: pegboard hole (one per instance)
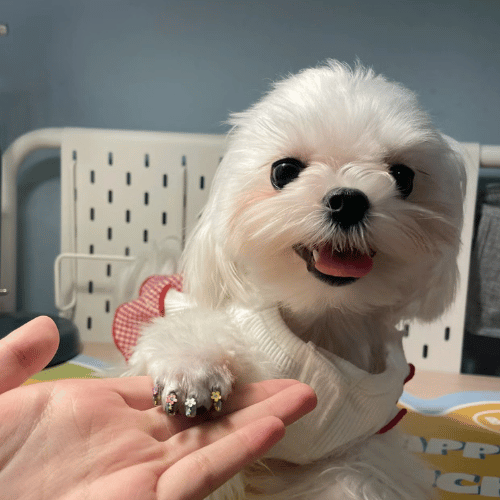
(129, 178)
(92, 176)
(164, 218)
(202, 182)
(146, 160)
(92, 214)
(110, 158)
(91, 249)
(165, 180)
(146, 198)
(110, 233)
(127, 251)
(110, 196)
(447, 333)
(425, 351)
(91, 287)
(74, 154)
(107, 306)
(127, 216)
(89, 323)
(108, 270)
(406, 330)
(184, 161)
(145, 236)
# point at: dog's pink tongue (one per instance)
(348, 264)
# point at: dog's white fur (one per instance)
(347, 126)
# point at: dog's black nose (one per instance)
(346, 206)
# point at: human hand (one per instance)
(103, 439)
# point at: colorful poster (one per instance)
(459, 436)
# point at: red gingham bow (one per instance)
(129, 317)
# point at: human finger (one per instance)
(163, 426)
(288, 405)
(250, 394)
(201, 472)
(26, 351)
(139, 394)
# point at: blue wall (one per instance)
(182, 66)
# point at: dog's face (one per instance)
(336, 192)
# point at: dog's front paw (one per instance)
(193, 389)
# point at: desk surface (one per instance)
(425, 384)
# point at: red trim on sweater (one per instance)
(401, 413)
(395, 421)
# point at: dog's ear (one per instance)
(441, 291)
(210, 277)
(445, 276)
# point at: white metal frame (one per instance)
(61, 306)
(106, 174)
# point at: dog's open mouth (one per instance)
(335, 267)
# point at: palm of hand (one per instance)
(86, 439)
(107, 448)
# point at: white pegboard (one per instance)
(198, 181)
(438, 345)
(120, 192)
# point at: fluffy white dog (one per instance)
(335, 214)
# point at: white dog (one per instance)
(335, 214)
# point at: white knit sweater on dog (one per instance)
(352, 403)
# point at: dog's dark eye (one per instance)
(403, 176)
(285, 171)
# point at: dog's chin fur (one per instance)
(347, 126)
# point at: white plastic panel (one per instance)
(438, 345)
(122, 191)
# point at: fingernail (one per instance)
(190, 405)
(171, 404)
(217, 399)
(157, 395)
